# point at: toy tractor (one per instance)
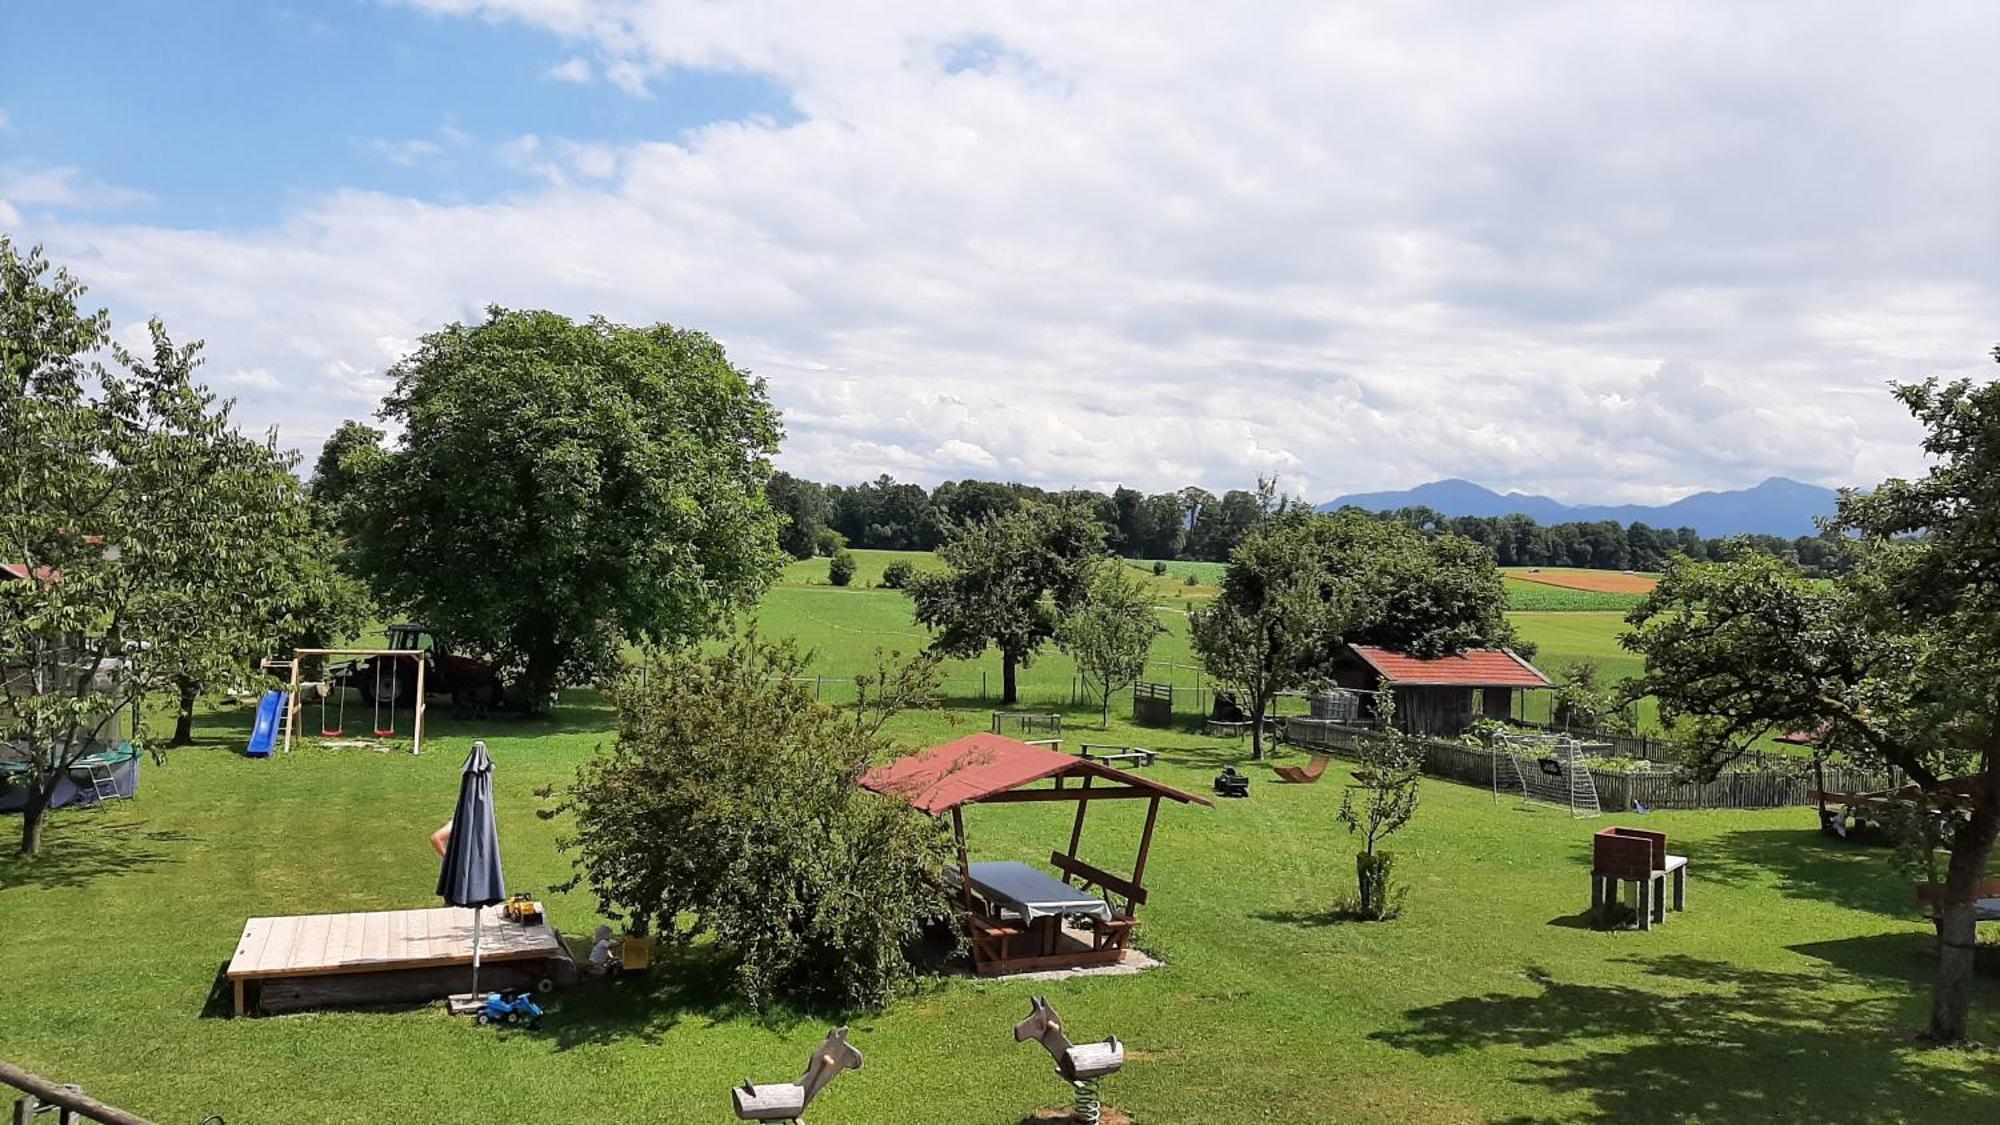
(473, 684)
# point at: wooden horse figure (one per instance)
(787, 1101)
(1081, 1066)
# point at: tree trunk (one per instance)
(1972, 849)
(1104, 714)
(184, 718)
(1008, 693)
(33, 814)
(538, 683)
(1257, 706)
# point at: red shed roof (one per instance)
(979, 766)
(1475, 667)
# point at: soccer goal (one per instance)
(1549, 768)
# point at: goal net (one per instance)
(1548, 768)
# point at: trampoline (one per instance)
(115, 770)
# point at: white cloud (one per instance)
(575, 69)
(5, 124)
(1604, 251)
(407, 154)
(63, 186)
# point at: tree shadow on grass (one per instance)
(1809, 865)
(1713, 1041)
(1907, 956)
(1314, 919)
(76, 853)
(680, 984)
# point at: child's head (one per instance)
(603, 932)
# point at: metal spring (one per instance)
(1088, 1102)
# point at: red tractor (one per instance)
(473, 684)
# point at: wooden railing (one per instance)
(70, 1103)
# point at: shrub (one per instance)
(829, 542)
(727, 810)
(1191, 580)
(897, 575)
(840, 568)
(1159, 569)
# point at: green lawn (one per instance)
(1787, 993)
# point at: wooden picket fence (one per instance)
(1766, 788)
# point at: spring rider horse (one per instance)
(1082, 1067)
(787, 1101)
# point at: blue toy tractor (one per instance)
(509, 1006)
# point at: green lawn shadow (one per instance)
(1714, 1041)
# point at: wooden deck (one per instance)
(382, 941)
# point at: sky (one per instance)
(1602, 251)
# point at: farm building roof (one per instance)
(980, 766)
(19, 572)
(1475, 667)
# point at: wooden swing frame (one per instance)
(295, 705)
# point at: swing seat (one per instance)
(385, 733)
(334, 733)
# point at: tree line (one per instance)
(1194, 523)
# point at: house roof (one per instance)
(1475, 667)
(980, 766)
(19, 572)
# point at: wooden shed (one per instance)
(1441, 695)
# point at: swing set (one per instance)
(388, 671)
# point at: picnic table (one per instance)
(1106, 752)
(1035, 897)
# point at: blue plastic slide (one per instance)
(266, 731)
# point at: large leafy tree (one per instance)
(275, 587)
(1267, 631)
(729, 809)
(133, 516)
(561, 488)
(802, 509)
(1302, 585)
(1895, 663)
(1011, 581)
(348, 458)
(1110, 635)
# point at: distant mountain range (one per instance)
(1776, 507)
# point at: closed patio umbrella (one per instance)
(471, 875)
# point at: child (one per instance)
(602, 957)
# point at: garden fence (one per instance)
(1762, 788)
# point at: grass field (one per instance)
(1540, 597)
(843, 628)
(1579, 578)
(1787, 994)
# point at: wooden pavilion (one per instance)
(1017, 918)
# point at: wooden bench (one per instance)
(1985, 905)
(992, 937)
(1137, 755)
(1114, 932)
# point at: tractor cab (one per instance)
(472, 684)
(417, 638)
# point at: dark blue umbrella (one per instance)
(471, 875)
